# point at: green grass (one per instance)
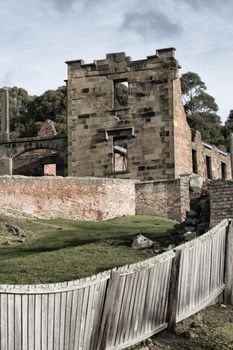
(62, 250)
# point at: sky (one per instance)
(38, 36)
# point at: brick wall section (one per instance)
(68, 198)
(221, 200)
(163, 198)
(152, 113)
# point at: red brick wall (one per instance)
(168, 198)
(69, 198)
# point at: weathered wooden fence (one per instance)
(117, 308)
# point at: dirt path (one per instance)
(210, 329)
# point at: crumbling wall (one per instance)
(68, 198)
(163, 198)
(153, 123)
(216, 156)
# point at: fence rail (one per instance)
(117, 308)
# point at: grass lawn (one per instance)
(62, 250)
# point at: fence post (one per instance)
(173, 291)
(111, 299)
(228, 293)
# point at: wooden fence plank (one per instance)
(98, 311)
(73, 319)
(25, 322)
(62, 321)
(57, 313)
(50, 321)
(173, 291)
(11, 321)
(78, 322)
(4, 319)
(31, 322)
(44, 321)
(37, 322)
(69, 296)
(228, 295)
(110, 302)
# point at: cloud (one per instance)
(211, 4)
(63, 5)
(151, 23)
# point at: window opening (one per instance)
(120, 93)
(208, 167)
(50, 169)
(223, 171)
(194, 161)
(120, 154)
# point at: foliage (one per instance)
(27, 112)
(201, 110)
(20, 124)
(60, 250)
(50, 105)
(121, 91)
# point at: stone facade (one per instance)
(68, 198)
(209, 162)
(221, 201)
(147, 139)
(163, 198)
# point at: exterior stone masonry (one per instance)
(152, 127)
(163, 198)
(219, 161)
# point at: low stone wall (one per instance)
(163, 198)
(221, 200)
(68, 198)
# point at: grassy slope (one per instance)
(59, 250)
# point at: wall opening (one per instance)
(40, 162)
(120, 154)
(120, 93)
(50, 169)
(208, 167)
(223, 170)
(194, 161)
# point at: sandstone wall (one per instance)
(216, 156)
(221, 200)
(153, 122)
(68, 198)
(182, 134)
(163, 198)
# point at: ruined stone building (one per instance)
(146, 138)
(144, 135)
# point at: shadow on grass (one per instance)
(92, 232)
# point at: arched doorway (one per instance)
(40, 162)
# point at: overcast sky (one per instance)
(37, 36)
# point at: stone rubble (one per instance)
(141, 242)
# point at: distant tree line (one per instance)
(201, 110)
(27, 113)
